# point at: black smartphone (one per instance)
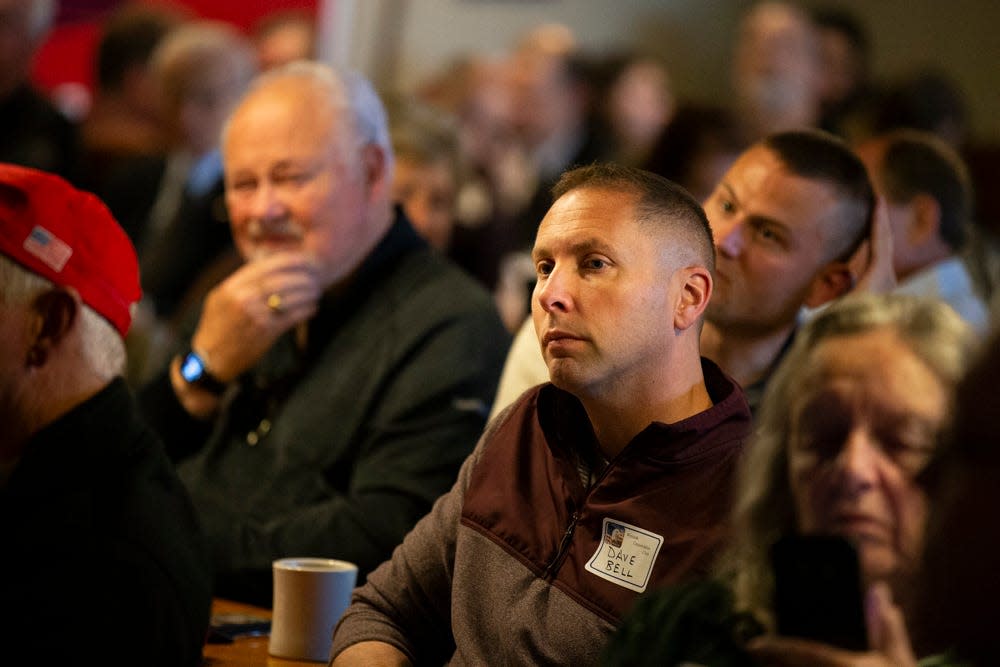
(818, 592)
(224, 628)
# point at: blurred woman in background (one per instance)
(849, 422)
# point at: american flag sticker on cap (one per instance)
(48, 247)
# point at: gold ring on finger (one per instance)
(275, 303)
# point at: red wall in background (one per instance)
(67, 55)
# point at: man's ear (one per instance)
(696, 290)
(374, 168)
(55, 313)
(835, 279)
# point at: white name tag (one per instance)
(625, 555)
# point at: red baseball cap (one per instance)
(69, 237)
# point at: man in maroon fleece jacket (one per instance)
(613, 479)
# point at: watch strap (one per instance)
(195, 372)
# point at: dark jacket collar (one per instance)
(566, 424)
(338, 305)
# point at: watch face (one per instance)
(192, 368)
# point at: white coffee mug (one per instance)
(310, 595)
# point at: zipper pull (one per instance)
(563, 545)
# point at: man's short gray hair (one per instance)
(103, 348)
(347, 91)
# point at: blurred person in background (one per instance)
(788, 217)
(102, 553)
(172, 205)
(283, 36)
(124, 120)
(776, 78)
(839, 450)
(427, 167)
(554, 89)
(634, 103)
(926, 99)
(930, 100)
(928, 196)
(845, 68)
(35, 133)
(497, 177)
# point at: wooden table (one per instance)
(245, 651)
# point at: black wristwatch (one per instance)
(194, 372)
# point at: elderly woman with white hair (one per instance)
(849, 422)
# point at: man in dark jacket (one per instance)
(336, 380)
(102, 555)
